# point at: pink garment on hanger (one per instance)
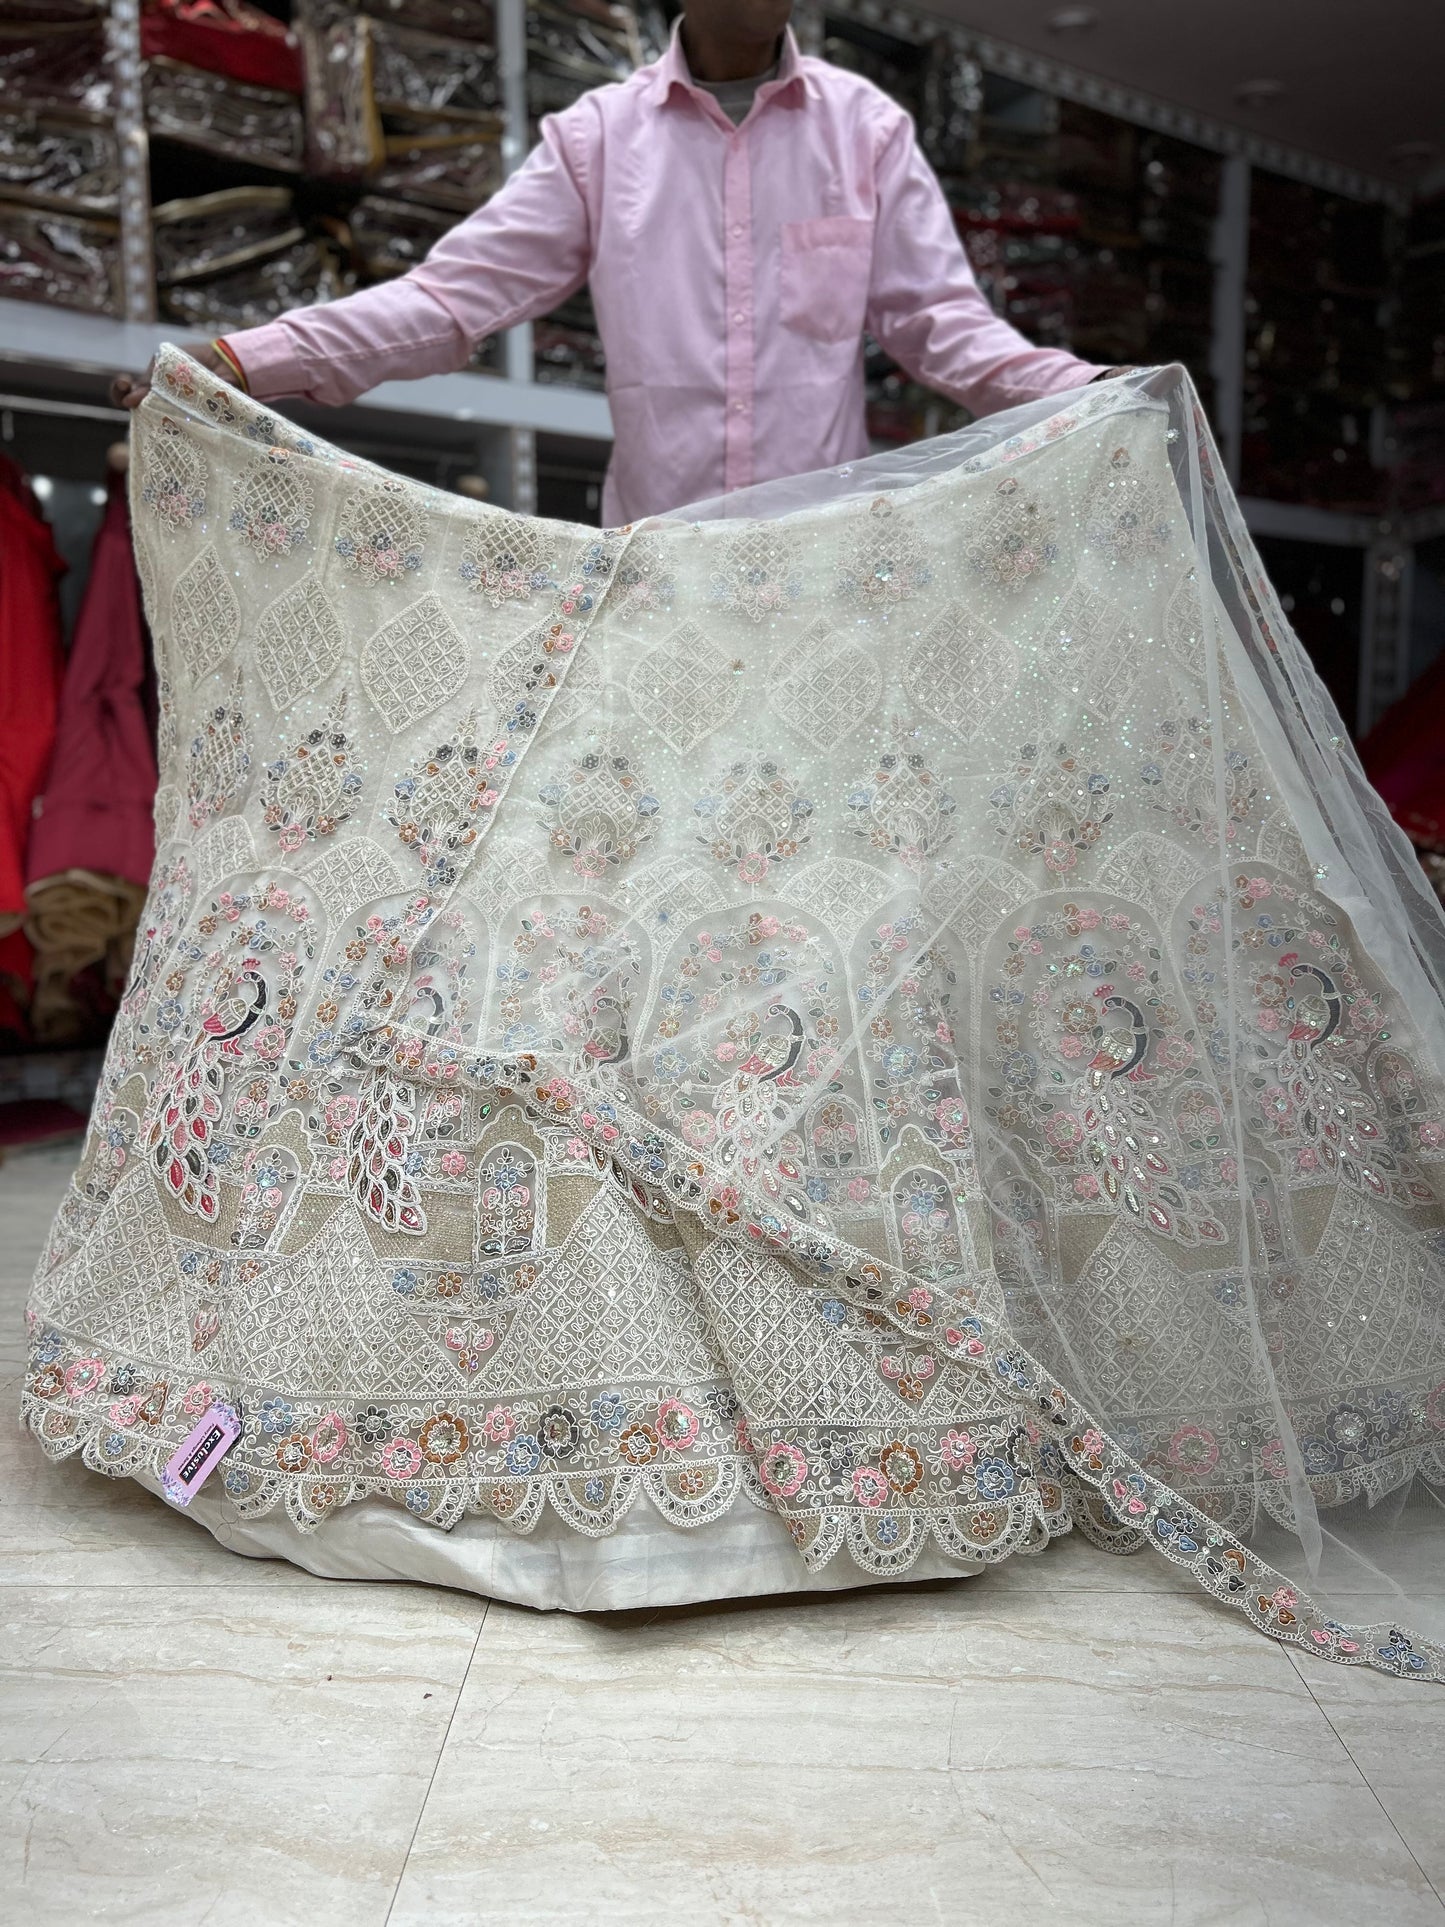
(96, 808)
(31, 667)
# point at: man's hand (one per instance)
(129, 391)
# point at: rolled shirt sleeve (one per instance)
(926, 309)
(518, 256)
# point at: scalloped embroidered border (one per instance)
(974, 1535)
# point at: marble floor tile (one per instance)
(912, 1755)
(184, 1755)
(1397, 1740)
(121, 1536)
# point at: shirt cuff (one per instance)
(1077, 374)
(271, 361)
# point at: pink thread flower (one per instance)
(783, 1470)
(1192, 1449)
(84, 1376)
(677, 1424)
(328, 1441)
(400, 1458)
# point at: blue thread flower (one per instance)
(995, 1478)
(523, 1455)
(609, 1411)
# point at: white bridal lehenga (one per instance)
(835, 1036)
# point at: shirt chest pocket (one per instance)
(826, 267)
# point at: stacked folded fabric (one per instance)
(236, 258)
(59, 241)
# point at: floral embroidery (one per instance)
(758, 575)
(380, 537)
(1017, 542)
(1055, 808)
(438, 806)
(273, 508)
(887, 564)
(1132, 520)
(509, 560)
(173, 478)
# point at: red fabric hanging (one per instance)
(96, 808)
(31, 667)
(1404, 757)
(224, 37)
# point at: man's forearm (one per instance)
(336, 351)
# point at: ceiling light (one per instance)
(1258, 93)
(1072, 19)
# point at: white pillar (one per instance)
(137, 261)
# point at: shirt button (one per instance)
(737, 231)
(739, 407)
(740, 318)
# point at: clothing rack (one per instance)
(43, 405)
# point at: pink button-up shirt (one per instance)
(733, 271)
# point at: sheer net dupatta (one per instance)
(935, 892)
(1205, 1088)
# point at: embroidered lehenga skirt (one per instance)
(834, 1039)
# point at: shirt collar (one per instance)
(674, 76)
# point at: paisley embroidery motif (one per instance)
(755, 820)
(308, 793)
(600, 813)
(218, 759)
(902, 808)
